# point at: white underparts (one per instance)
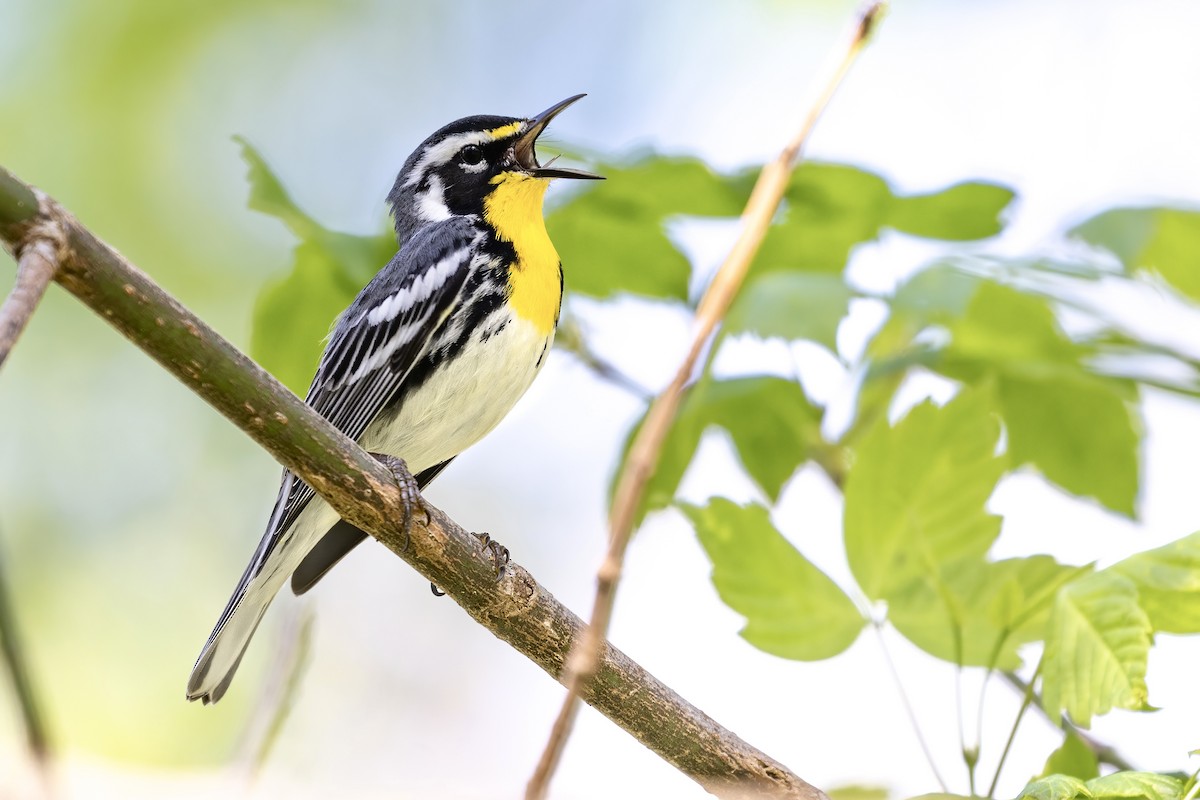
(465, 397)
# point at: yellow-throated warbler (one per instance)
(429, 357)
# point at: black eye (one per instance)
(471, 154)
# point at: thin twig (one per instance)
(643, 455)
(1105, 753)
(1026, 701)
(515, 608)
(908, 708)
(36, 265)
(572, 339)
(13, 656)
(277, 694)
(610, 373)
(969, 758)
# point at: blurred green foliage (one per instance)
(1145, 785)
(917, 531)
(1073, 758)
(295, 312)
(1150, 240)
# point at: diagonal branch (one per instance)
(643, 456)
(37, 261)
(516, 609)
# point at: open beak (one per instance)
(525, 156)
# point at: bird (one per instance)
(428, 358)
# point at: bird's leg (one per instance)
(499, 552)
(410, 492)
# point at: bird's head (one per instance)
(455, 170)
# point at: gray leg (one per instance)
(410, 492)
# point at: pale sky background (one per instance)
(1078, 105)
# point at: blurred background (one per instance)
(128, 508)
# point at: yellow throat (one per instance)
(514, 210)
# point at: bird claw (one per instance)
(410, 492)
(498, 551)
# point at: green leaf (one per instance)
(831, 208)
(962, 212)
(977, 613)
(1009, 330)
(792, 609)
(268, 195)
(1074, 758)
(1078, 431)
(609, 250)
(675, 186)
(1161, 240)
(889, 354)
(939, 293)
(770, 421)
(916, 493)
(613, 238)
(857, 792)
(1096, 649)
(1168, 584)
(1075, 427)
(293, 314)
(1055, 787)
(1137, 785)
(791, 305)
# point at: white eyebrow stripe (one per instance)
(443, 151)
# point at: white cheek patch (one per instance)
(431, 203)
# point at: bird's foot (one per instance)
(498, 552)
(410, 492)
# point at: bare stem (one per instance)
(1105, 753)
(13, 656)
(36, 264)
(1012, 734)
(643, 455)
(908, 708)
(278, 692)
(970, 756)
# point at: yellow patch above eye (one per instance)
(504, 131)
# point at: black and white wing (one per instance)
(384, 333)
(377, 341)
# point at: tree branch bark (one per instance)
(37, 259)
(516, 609)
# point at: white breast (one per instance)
(465, 398)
